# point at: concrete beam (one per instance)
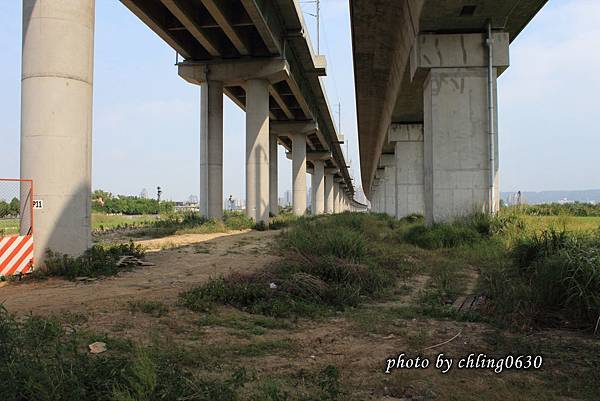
(281, 103)
(183, 14)
(284, 128)
(458, 51)
(235, 72)
(217, 11)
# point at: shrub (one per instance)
(40, 361)
(442, 235)
(554, 280)
(95, 262)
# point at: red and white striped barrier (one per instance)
(16, 255)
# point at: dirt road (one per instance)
(190, 260)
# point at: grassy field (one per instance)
(320, 323)
(569, 223)
(9, 226)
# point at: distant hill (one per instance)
(590, 195)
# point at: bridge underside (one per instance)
(254, 51)
(407, 56)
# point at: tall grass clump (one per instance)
(554, 280)
(40, 360)
(328, 263)
(97, 261)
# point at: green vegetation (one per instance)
(98, 261)
(153, 308)
(329, 263)
(9, 226)
(561, 209)
(41, 359)
(105, 202)
(11, 208)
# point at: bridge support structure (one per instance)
(273, 184)
(211, 149)
(457, 136)
(56, 120)
(408, 145)
(388, 163)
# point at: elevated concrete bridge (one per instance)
(425, 74)
(257, 52)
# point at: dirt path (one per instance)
(195, 258)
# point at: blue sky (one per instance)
(146, 118)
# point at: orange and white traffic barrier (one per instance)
(16, 255)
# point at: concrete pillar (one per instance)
(329, 193)
(299, 174)
(318, 187)
(211, 149)
(273, 190)
(257, 150)
(408, 142)
(456, 156)
(457, 137)
(335, 197)
(56, 120)
(388, 162)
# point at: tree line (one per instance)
(105, 202)
(8, 209)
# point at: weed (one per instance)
(97, 261)
(154, 308)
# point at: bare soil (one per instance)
(357, 341)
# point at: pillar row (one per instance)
(56, 121)
(257, 150)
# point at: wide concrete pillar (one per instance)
(329, 193)
(211, 149)
(257, 150)
(318, 188)
(299, 174)
(56, 120)
(273, 190)
(459, 141)
(408, 143)
(388, 163)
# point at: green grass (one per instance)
(9, 226)
(153, 308)
(98, 261)
(101, 221)
(328, 265)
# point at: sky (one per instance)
(146, 119)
